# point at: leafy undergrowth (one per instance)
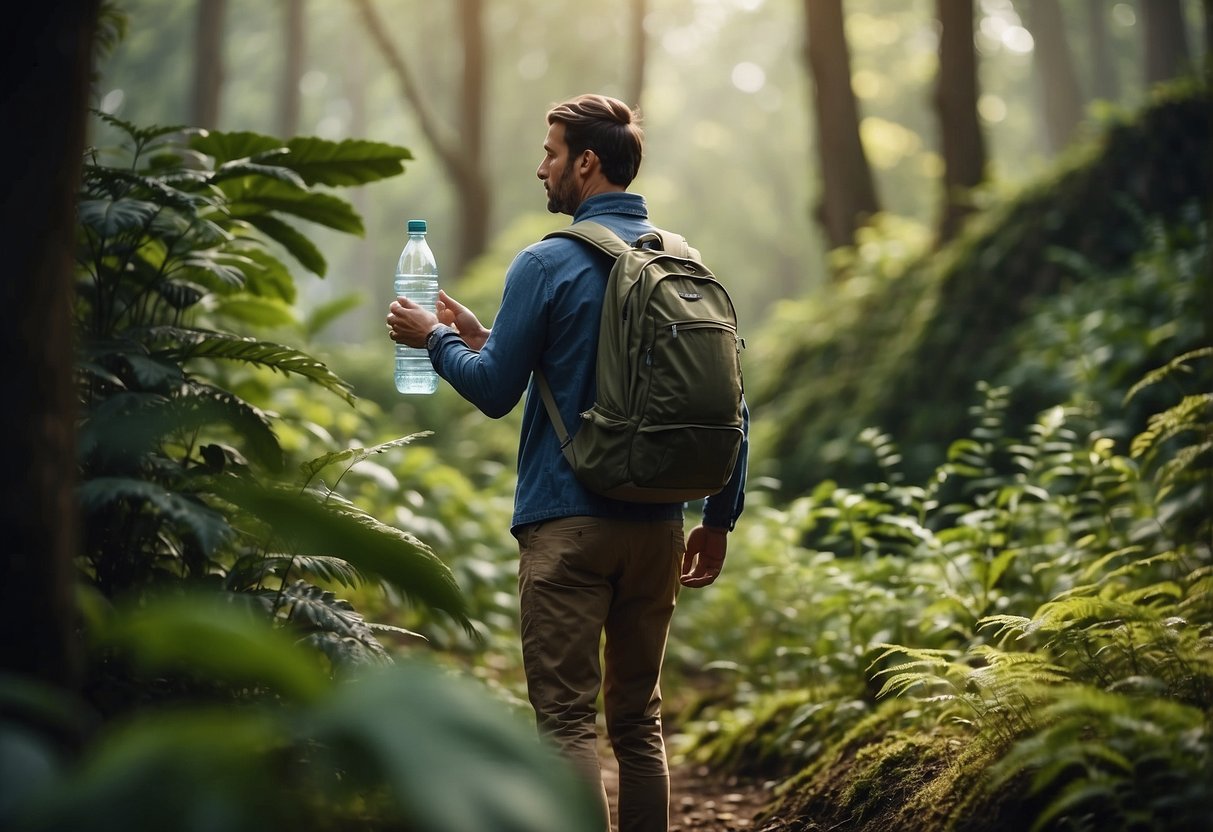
(1023, 642)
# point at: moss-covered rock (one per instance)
(905, 351)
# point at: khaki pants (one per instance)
(578, 578)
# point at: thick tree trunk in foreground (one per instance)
(47, 58)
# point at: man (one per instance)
(588, 564)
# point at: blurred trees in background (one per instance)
(731, 135)
(886, 516)
(956, 93)
(848, 195)
(460, 147)
(209, 64)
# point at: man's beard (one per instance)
(562, 198)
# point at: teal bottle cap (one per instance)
(416, 226)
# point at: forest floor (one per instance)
(701, 801)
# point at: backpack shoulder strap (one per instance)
(596, 234)
(549, 402)
(607, 241)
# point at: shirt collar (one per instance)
(612, 202)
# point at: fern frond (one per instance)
(355, 455)
(1181, 418)
(1055, 616)
(182, 344)
(1176, 365)
(1006, 624)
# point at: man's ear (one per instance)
(588, 162)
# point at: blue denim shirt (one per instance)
(549, 318)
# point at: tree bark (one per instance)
(208, 64)
(637, 55)
(964, 151)
(461, 150)
(1057, 79)
(1208, 8)
(47, 55)
(1105, 81)
(1166, 35)
(848, 193)
(294, 49)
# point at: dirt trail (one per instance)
(701, 802)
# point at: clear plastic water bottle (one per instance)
(417, 280)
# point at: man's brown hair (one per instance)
(606, 126)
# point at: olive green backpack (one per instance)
(667, 423)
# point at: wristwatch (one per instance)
(436, 333)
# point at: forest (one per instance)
(247, 585)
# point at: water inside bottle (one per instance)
(414, 372)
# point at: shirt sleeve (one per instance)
(722, 510)
(495, 378)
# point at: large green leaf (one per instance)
(204, 524)
(268, 276)
(110, 217)
(244, 167)
(204, 405)
(265, 313)
(319, 318)
(301, 524)
(349, 162)
(217, 637)
(226, 147)
(122, 428)
(289, 237)
(185, 770)
(452, 756)
(249, 197)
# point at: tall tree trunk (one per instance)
(1057, 80)
(848, 193)
(473, 180)
(1167, 53)
(208, 64)
(964, 151)
(47, 55)
(461, 150)
(1208, 7)
(294, 44)
(1105, 81)
(638, 43)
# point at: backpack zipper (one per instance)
(686, 325)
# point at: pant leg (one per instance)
(564, 598)
(637, 629)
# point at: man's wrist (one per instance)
(434, 335)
